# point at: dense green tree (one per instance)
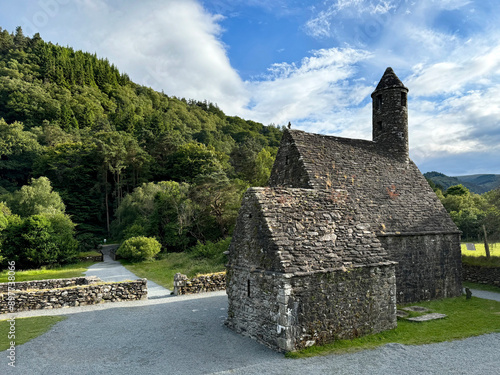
(218, 200)
(195, 159)
(471, 211)
(120, 151)
(173, 217)
(263, 165)
(459, 190)
(36, 198)
(18, 151)
(74, 171)
(138, 206)
(492, 214)
(33, 242)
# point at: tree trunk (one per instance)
(486, 247)
(107, 204)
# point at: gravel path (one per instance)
(111, 270)
(186, 335)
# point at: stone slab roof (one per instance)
(391, 195)
(389, 80)
(302, 230)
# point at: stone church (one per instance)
(346, 229)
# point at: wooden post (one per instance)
(486, 247)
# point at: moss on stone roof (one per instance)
(303, 230)
(391, 195)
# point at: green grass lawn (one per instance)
(26, 329)
(494, 249)
(466, 318)
(67, 271)
(478, 257)
(162, 271)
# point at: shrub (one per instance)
(211, 250)
(134, 230)
(139, 248)
(39, 240)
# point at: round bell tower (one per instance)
(390, 116)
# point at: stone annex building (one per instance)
(345, 229)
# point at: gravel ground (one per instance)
(186, 335)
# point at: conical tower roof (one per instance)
(389, 80)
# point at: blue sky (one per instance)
(313, 63)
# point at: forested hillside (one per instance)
(474, 214)
(478, 183)
(125, 159)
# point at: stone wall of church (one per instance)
(342, 304)
(429, 265)
(289, 312)
(256, 302)
(288, 168)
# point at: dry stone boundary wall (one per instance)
(79, 291)
(199, 284)
(481, 275)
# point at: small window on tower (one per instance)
(380, 126)
(248, 288)
(378, 102)
(403, 99)
(286, 160)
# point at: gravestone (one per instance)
(470, 246)
(427, 317)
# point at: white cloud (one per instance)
(330, 22)
(311, 92)
(176, 48)
(460, 125)
(476, 64)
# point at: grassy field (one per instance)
(26, 329)
(67, 271)
(478, 257)
(162, 271)
(494, 250)
(466, 318)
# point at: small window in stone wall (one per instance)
(403, 99)
(286, 160)
(380, 126)
(248, 288)
(378, 102)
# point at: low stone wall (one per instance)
(199, 284)
(48, 284)
(93, 258)
(112, 252)
(72, 293)
(481, 275)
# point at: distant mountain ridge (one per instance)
(476, 183)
